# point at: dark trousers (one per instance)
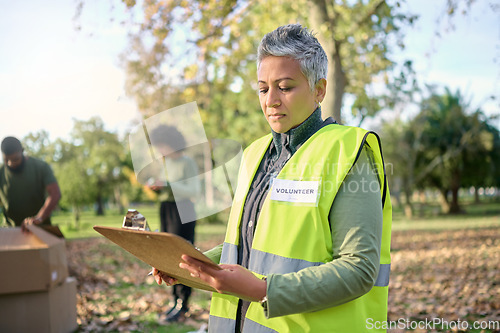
(171, 222)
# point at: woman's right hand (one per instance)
(162, 277)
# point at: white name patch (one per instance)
(295, 190)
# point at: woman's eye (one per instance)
(262, 90)
(285, 88)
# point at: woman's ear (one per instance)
(320, 90)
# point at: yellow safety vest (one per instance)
(282, 247)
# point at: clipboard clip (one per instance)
(134, 220)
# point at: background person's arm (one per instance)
(54, 195)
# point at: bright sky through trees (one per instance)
(51, 74)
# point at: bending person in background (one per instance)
(177, 213)
(28, 188)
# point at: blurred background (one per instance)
(424, 74)
(77, 76)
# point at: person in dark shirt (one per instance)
(28, 188)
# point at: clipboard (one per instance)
(161, 250)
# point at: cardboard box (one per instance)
(52, 311)
(34, 261)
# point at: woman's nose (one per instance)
(273, 98)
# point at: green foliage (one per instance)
(205, 51)
(358, 37)
(76, 188)
(446, 146)
(89, 166)
(37, 145)
(456, 142)
(214, 65)
(102, 155)
(482, 165)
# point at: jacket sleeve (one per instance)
(356, 225)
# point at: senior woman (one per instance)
(308, 237)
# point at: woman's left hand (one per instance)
(231, 279)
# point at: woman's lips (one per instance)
(276, 116)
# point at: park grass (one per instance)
(111, 218)
(476, 215)
(205, 232)
(428, 217)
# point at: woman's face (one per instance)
(284, 93)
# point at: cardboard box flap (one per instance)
(53, 230)
(44, 236)
(13, 239)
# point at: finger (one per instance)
(170, 281)
(196, 271)
(228, 267)
(158, 278)
(197, 265)
(193, 270)
(24, 226)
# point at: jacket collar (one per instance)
(295, 137)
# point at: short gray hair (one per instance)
(296, 42)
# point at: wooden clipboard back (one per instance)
(161, 250)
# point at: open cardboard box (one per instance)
(51, 311)
(34, 261)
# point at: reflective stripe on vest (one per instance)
(221, 325)
(265, 263)
(277, 248)
(224, 325)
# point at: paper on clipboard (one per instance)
(161, 250)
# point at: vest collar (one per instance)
(294, 138)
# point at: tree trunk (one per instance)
(454, 205)
(455, 186)
(423, 201)
(408, 207)
(336, 80)
(476, 195)
(76, 216)
(443, 201)
(99, 204)
(118, 199)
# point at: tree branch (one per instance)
(224, 22)
(366, 17)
